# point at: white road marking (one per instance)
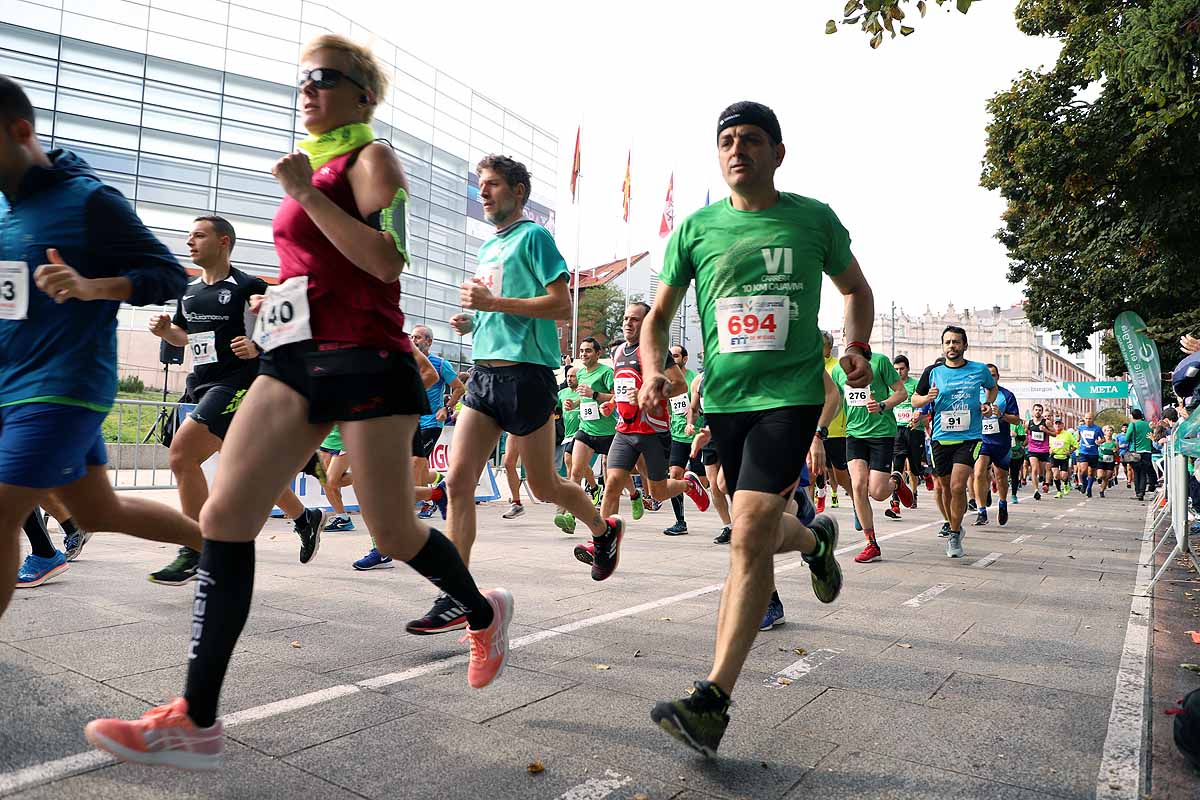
(597, 788)
(927, 595)
(1020, 539)
(47, 772)
(798, 669)
(1060, 516)
(988, 560)
(1121, 762)
(1045, 524)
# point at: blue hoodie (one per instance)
(67, 353)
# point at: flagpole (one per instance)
(628, 224)
(578, 233)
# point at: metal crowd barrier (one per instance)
(136, 458)
(1170, 505)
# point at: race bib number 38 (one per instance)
(14, 289)
(588, 411)
(283, 316)
(956, 421)
(751, 324)
(203, 347)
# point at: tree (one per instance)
(877, 16)
(601, 310)
(1098, 159)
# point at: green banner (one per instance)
(1075, 390)
(1141, 359)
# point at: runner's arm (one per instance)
(859, 318)
(678, 380)
(555, 304)
(899, 395)
(457, 390)
(922, 394)
(429, 375)
(693, 411)
(655, 329)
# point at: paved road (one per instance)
(987, 677)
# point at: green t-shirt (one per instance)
(910, 386)
(679, 421)
(1138, 436)
(570, 418)
(1063, 444)
(599, 379)
(333, 441)
(758, 290)
(519, 261)
(1019, 432)
(860, 423)
(1108, 450)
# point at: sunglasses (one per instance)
(325, 78)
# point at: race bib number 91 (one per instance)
(955, 421)
(14, 289)
(283, 317)
(857, 398)
(752, 324)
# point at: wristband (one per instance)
(863, 347)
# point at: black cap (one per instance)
(751, 113)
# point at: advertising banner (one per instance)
(1141, 359)
(1071, 390)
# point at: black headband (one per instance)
(753, 116)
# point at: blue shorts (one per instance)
(1000, 454)
(47, 445)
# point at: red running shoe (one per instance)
(607, 552)
(870, 553)
(820, 502)
(696, 490)
(929, 483)
(902, 491)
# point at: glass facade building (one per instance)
(184, 105)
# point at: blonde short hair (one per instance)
(364, 67)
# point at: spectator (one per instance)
(1141, 450)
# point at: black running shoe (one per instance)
(972, 505)
(73, 542)
(724, 536)
(179, 571)
(309, 528)
(945, 531)
(890, 514)
(608, 549)
(981, 519)
(825, 572)
(445, 615)
(1002, 514)
(678, 529)
(698, 720)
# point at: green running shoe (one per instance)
(826, 574)
(698, 720)
(179, 571)
(639, 506)
(565, 522)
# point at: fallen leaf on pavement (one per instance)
(272, 537)
(601, 666)
(535, 768)
(640, 796)
(785, 681)
(296, 645)
(1191, 667)
(800, 651)
(905, 646)
(1195, 636)
(637, 653)
(664, 619)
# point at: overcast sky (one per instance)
(892, 139)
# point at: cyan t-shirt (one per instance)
(519, 261)
(437, 392)
(956, 413)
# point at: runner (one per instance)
(757, 259)
(835, 444)
(1106, 458)
(996, 453)
(519, 290)
(1122, 452)
(681, 440)
(953, 388)
(1017, 454)
(871, 443)
(512, 476)
(1090, 436)
(335, 462)
(1141, 451)
(567, 411)
(210, 322)
(908, 453)
(340, 236)
(429, 486)
(1040, 432)
(71, 251)
(596, 430)
(704, 450)
(1062, 445)
(639, 433)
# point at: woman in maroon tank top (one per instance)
(334, 351)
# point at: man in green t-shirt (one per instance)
(1138, 437)
(681, 443)
(870, 442)
(518, 291)
(757, 260)
(596, 429)
(908, 454)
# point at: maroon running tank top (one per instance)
(347, 306)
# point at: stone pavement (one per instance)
(986, 677)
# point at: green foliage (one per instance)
(876, 16)
(132, 384)
(1098, 159)
(601, 309)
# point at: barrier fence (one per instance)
(1171, 506)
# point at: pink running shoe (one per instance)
(696, 490)
(164, 736)
(489, 647)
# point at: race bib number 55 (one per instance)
(751, 324)
(283, 317)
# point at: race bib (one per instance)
(589, 411)
(752, 324)
(955, 421)
(492, 275)
(991, 425)
(1106, 459)
(14, 289)
(679, 404)
(283, 316)
(857, 398)
(904, 415)
(1088, 436)
(625, 390)
(203, 347)
(1037, 436)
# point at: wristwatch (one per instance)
(822, 433)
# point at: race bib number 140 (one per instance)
(283, 316)
(752, 324)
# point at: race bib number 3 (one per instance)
(955, 421)
(625, 390)
(904, 415)
(203, 347)
(679, 404)
(991, 425)
(752, 324)
(283, 316)
(589, 411)
(14, 289)
(857, 398)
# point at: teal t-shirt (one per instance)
(519, 261)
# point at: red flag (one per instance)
(626, 189)
(575, 166)
(668, 218)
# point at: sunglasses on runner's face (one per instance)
(325, 78)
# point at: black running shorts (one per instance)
(519, 397)
(626, 448)
(216, 405)
(424, 440)
(876, 451)
(1063, 464)
(909, 448)
(835, 452)
(947, 454)
(681, 456)
(599, 444)
(764, 451)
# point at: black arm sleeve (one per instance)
(125, 247)
(923, 384)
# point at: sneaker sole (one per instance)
(674, 533)
(671, 725)
(48, 575)
(192, 762)
(162, 582)
(616, 560)
(773, 625)
(870, 560)
(453, 626)
(564, 527)
(380, 565)
(583, 556)
(832, 556)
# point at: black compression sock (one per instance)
(820, 481)
(677, 507)
(224, 585)
(440, 562)
(69, 527)
(38, 536)
(1058, 484)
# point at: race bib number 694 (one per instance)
(752, 324)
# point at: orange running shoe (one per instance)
(164, 736)
(489, 647)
